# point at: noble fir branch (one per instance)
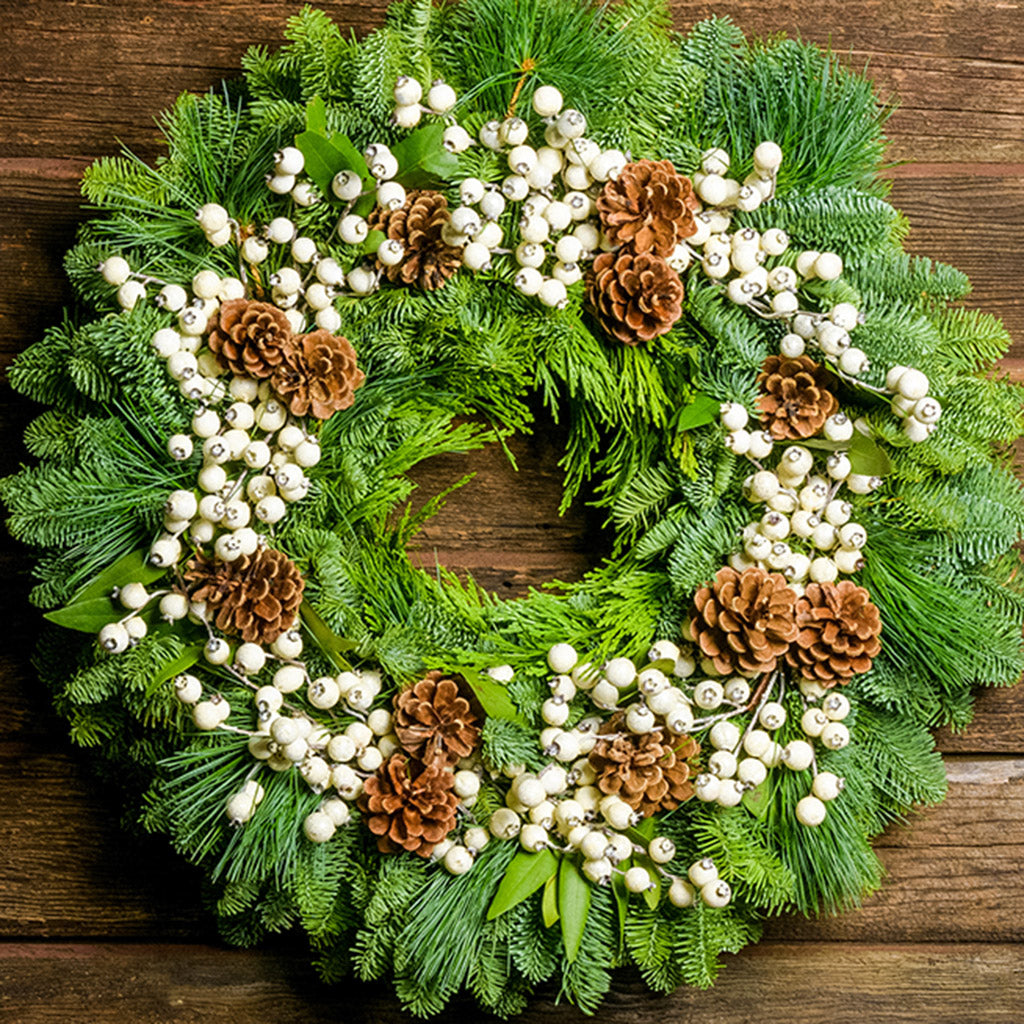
(899, 756)
(699, 940)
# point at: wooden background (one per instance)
(96, 926)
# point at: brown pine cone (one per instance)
(796, 400)
(648, 207)
(251, 337)
(744, 622)
(318, 375)
(255, 597)
(433, 720)
(636, 296)
(837, 636)
(428, 261)
(649, 771)
(409, 805)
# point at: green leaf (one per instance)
(133, 567)
(373, 240)
(326, 157)
(549, 904)
(323, 161)
(643, 833)
(757, 801)
(334, 646)
(316, 116)
(665, 665)
(493, 697)
(185, 660)
(573, 907)
(867, 456)
(86, 616)
(526, 873)
(354, 160)
(423, 162)
(703, 409)
(652, 897)
(621, 903)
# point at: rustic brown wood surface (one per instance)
(96, 926)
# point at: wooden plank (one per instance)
(77, 75)
(85, 73)
(953, 872)
(67, 866)
(841, 983)
(944, 218)
(956, 67)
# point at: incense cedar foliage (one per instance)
(940, 566)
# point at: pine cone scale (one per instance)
(649, 206)
(318, 375)
(644, 770)
(838, 634)
(744, 622)
(434, 720)
(419, 225)
(637, 297)
(795, 401)
(251, 337)
(409, 805)
(256, 597)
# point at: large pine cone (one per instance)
(409, 805)
(433, 720)
(251, 337)
(650, 771)
(429, 261)
(637, 296)
(745, 622)
(837, 636)
(319, 375)
(796, 400)
(649, 207)
(255, 597)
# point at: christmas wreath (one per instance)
(367, 253)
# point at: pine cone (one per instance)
(255, 597)
(637, 296)
(409, 805)
(649, 207)
(251, 337)
(429, 261)
(796, 400)
(837, 636)
(650, 771)
(434, 721)
(744, 623)
(318, 375)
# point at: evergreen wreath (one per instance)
(367, 253)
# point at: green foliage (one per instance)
(735, 842)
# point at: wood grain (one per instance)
(100, 926)
(941, 983)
